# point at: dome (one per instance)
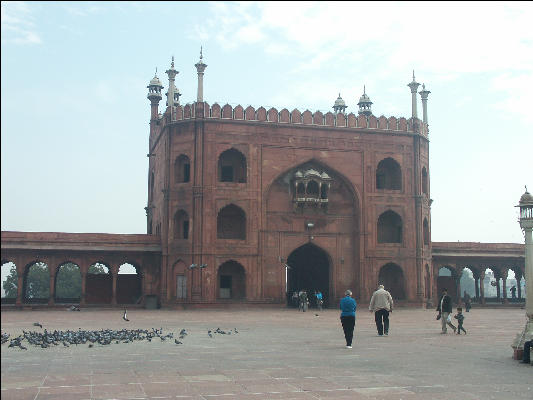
(339, 101)
(364, 99)
(526, 198)
(155, 82)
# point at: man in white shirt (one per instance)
(381, 304)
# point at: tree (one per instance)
(10, 284)
(38, 281)
(68, 282)
(98, 268)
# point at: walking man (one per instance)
(445, 309)
(381, 304)
(348, 306)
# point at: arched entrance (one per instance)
(391, 276)
(308, 269)
(231, 281)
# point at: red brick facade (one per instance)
(273, 146)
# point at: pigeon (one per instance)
(73, 308)
(316, 315)
(37, 324)
(177, 341)
(90, 345)
(183, 332)
(235, 330)
(209, 333)
(125, 316)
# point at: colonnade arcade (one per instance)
(57, 279)
(484, 282)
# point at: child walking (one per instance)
(460, 318)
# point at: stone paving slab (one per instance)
(277, 354)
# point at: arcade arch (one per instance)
(129, 284)
(9, 282)
(68, 283)
(98, 284)
(36, 283)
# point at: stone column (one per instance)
(476, 285)
(83, 286)
(114, 296)
(498, 291)
(458, 286)
(519, 288)
(51, 298)
(20, 289)
(482, 287)
(504, 285)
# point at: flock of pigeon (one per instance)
(101, 337)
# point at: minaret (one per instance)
(154, 95)
(424, 94)
(200, 67)
(414, 86)
(339, 106)
(365, 105)
(171, 87)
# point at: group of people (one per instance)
(381, 304)
(301, 299)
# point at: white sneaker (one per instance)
(348, 347)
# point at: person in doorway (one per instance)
(381, 304)
(460, 318)
(513, 292)
(445, 309)
(303, 301)
(468, 301)
(319, 300)
(294, 299)
(348, 307)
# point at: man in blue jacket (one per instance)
(348, 306)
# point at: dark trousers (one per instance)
(460, 327)
(382, 321)
(527, 349)
(348, 324)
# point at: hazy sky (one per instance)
(75, 115)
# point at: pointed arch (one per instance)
(36, 282)
(391, 276)
(9, 282)
(390, 227)
(232, 166)
(231, 223)
(68, 283)
(129, 283)
(231, 279)
(99, 283)
(388, 175)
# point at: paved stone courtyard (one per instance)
(277, 354)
